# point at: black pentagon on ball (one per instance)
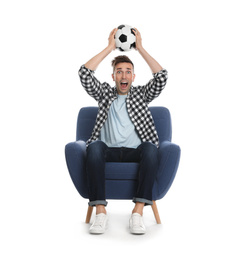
(133, 45)
(121, 26)
(123, 38)
(121, 49)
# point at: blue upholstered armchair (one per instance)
(121, 180)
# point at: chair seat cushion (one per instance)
(121, 171)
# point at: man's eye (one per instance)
(118, 72)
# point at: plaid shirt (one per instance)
(137, 102)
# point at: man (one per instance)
(124, 130)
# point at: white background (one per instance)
(43, 44)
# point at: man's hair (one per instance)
(119, 59)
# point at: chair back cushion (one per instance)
(87, 117)
(162, 119)
(85, 122)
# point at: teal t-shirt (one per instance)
(118, 130)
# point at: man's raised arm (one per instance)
(153, 64)
(93, 63)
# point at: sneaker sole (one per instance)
(137, 232)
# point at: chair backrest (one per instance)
(87, 117)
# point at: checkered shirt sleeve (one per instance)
(93, 87)
(154, 87)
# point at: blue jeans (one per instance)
(98, 153)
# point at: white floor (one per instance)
(46, 220)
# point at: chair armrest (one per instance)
(167, 146)
(169, 154)
(75, 153)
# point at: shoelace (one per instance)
(137, 221)
(99, 220)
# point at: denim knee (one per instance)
(149, 150)
(95, 149)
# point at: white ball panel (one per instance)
(118, 43)
(126, 30)
(125, 46)
(131, 38)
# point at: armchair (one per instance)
(121, 180)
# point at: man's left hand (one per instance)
(138, 44)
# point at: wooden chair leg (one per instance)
(156, 213)
(89, 214)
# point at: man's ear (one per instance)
(113, 77)
(133, 77)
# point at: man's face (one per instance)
(123, 76)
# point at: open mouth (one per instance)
(124, 84)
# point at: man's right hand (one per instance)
(111, 39)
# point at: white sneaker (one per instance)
(136, 224)
(99, 225)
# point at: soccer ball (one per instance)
(125, 38)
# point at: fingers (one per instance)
(136, 32)
(111, 39)
(113, 32)
(138, 43)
